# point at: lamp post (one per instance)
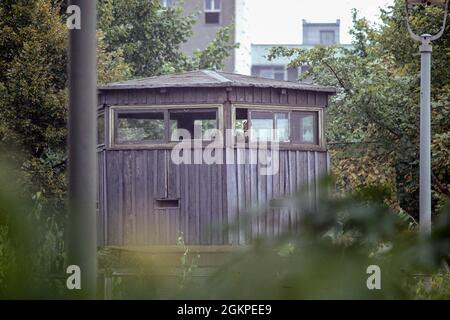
(425, 109)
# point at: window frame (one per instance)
(274, 122)
(213, 10)
(194, 111)
(316, 127)
(272, 70)
(116, 127)
(321, 143)
(102, 113)
(166, 143)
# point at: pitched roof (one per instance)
(210, 79)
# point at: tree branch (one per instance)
(442, 188)
(339, 79)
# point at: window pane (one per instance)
(208, 4)
(241, 124)
(134, 128)
(279, 75)
(266, 73)
(101, 129)
(261, 126)
(327, 37)
(304, 127)
(282, 127)
(196, 122)
(212, 17)
(217, 4)
(307, 131)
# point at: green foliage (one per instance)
(340, 239)
(150, 37)
(373, 122)
(31, 251)
(33, 125)
(329, 258)
(33, 99)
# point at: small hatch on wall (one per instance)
(167, 203)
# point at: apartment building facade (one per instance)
(212, 16)
(313, 34)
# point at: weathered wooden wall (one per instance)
(249, 193)
(272, 96)
(212, 197)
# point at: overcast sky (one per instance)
(280, 21)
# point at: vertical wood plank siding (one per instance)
(274, 96)
(214, 200)
(208, 203)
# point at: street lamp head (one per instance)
(435, 3)
(430, 3)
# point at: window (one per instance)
(167, 3)
(261, 124)
(305, 127)
(282, 127)
(276, 73)
(139, 127)
(196, 122)
(241, 124)
(327, 38)
(292, 74)
(297, 127)
(212, 11)
(268, 126)
(101, 129)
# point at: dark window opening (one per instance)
(139, 127)
(101, 129)
(212, 17)
(167, 203)
(212, 11)
(195, 122)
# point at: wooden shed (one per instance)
(147, 198)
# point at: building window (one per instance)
(304, 126)
(212, 11)
(268, 126)
(195, 122)
(167, 3)
(139, 127)
(101, 129)
(297, 127)
(276, 73)
(327, 38)
(282, 127)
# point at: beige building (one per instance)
(213, 15)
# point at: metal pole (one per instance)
(425, 135)
(82, 245)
